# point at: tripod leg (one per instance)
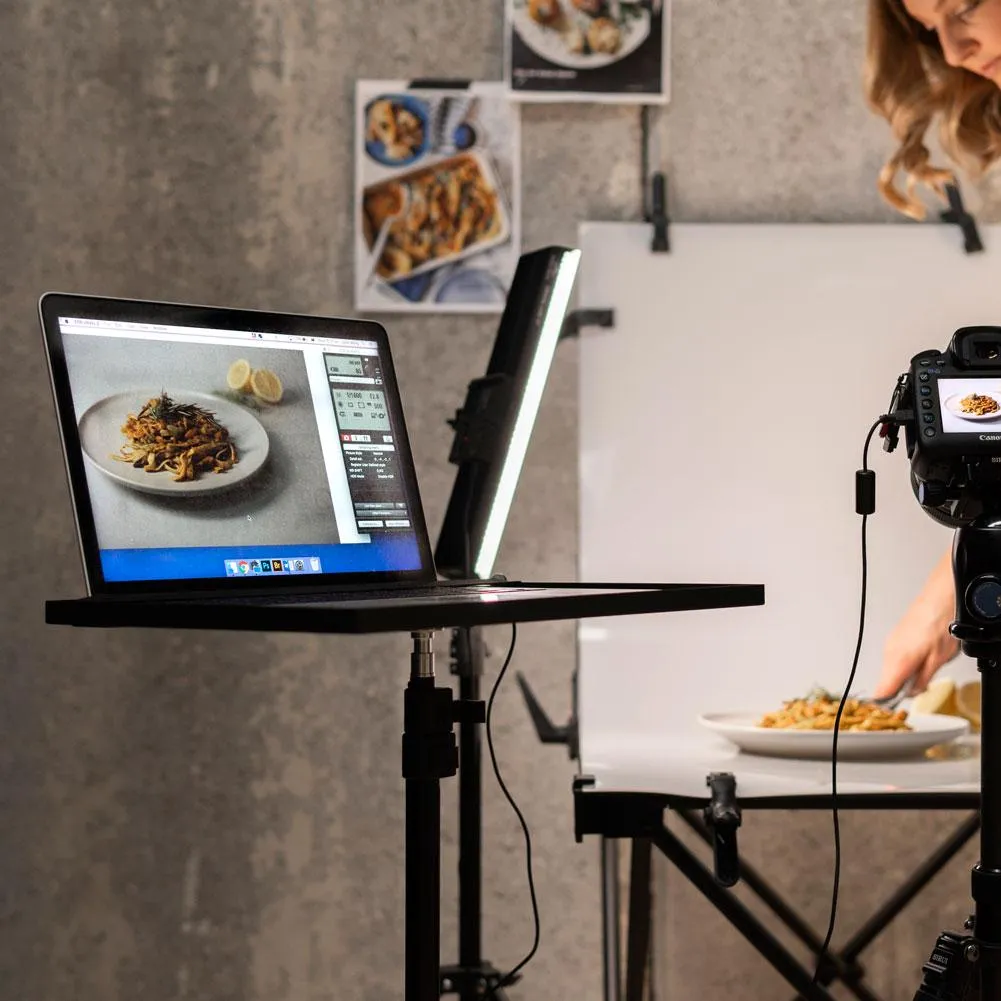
(987, 873)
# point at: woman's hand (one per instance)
(920, 643)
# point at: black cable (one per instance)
(837, 719)
(509, 977)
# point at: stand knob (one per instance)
(932, 493)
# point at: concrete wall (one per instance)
(199, 815)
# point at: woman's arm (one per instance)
(920, 643)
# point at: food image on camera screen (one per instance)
(965, 403)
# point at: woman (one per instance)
(932, 60)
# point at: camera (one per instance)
(949, 405)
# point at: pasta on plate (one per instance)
(819, 710)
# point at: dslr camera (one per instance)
(949, 405)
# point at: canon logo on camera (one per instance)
(990, 437)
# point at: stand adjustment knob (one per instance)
(931, 493)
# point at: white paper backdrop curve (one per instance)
(722, 421)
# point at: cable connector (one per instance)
(890, 425)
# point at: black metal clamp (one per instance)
(586, 318)
(957, 213)
(658, 217)
(722, 816)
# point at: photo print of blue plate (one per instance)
(397, 131)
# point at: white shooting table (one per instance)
(628, 792)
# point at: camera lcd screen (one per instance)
(969, 406)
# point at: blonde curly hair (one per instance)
(908, 82)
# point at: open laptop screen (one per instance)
(208, 444)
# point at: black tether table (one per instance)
(430, 712)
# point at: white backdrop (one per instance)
(722, 421)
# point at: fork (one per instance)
(891, 701)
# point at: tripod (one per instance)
(968, 967)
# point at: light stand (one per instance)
(429, 755)
(472, 976)
(492, 430)
(477, 428)
(968, 967)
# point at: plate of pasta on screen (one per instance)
(975, 406)
(804, 728)
(173, 442)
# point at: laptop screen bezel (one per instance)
(53, 305)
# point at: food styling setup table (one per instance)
(707, 781)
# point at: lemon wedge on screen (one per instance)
(938, 697)
(238, 376)
(266, 385)
(968, 704)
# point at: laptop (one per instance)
(226, 457)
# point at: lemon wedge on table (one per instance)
(968, 704)
(266, 385)
(238, 376)
(938, 697)
(944, 696)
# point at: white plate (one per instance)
(101, 436)
(853, 745)
(952, 405)
(551, 44)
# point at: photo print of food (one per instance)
(438, 214)
(614, 51)
(198, 445)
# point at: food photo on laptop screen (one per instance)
(224, 444)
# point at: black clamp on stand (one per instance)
(722, 816)
(957, 213)
(476, 423)
(968, 967)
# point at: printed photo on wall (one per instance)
(437, 196)
(612, 51)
